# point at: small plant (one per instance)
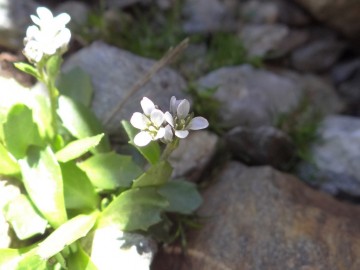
(74, 185)
(301, 125)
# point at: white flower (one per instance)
(181, 121)
(150, 123)
(48, 36)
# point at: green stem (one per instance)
(53, 95)
(169, 149)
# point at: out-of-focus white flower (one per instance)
(180, 121)
(150, 123)
(48, 36)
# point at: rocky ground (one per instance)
(280, 163)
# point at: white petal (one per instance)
(62, 19)
(139, 120)
(35, 19)
(62, 39)
(142, 138)
(147, 105)
(157, 117)
(32, 32)
(173, 105)
(168, 136)
(198, 123)
(183, 109)
(169, 118)
(181, 133)
(160, 133)
(45, 15)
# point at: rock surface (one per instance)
(255, 97)
(207, 16)
(335, 157)
(342, 15)
(261, 39)
(14, 19)
(259, 218)
(114, 72)
(264, 145)
(193, 154)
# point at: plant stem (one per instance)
(169, 149)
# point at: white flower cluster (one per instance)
(154, 124)
(48, 36)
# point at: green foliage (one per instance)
(41, 175)
(301, 125)
(157, 175)
(135, 209)
(29, 223)
(110, 171)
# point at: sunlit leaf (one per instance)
(110, 171)
(78, 191)
(80, 260)
(20, 131)
(76, 84)
(53, 65)
(66, 234)
(77, 148)
(8, 164)
(81, 122)
(43, 182)
(134, 209)
(157, 175)
(24, 219)
(182, 195)
(29, 69)
(151, 151)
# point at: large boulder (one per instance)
(341, 14)
(258, 218)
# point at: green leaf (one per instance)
(9, 258)
(53, 65)
(20, 131)
(134, 209)
(28, 69)
(43, 182)
(76, 84)
(32, 262)
(24, 219)
(66, 234)
(157, 175)
(151, 151)
(182, 195)
(80, 260)
(77, 148)
(79, 193)
(110, 171)
(81, 122)
(8, 164)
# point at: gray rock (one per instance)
(14, 19)
(259, 218)
(350, 89)
(260, 12)
(345, 70)
(264, 145)
(251, 97)
(112, 248)
(261, 39)
(317, 56)
(206, 16)
(114, 72)
(193, 155)
(342, 15)
(319, 93)
(123, 3)
(334, 161)
(9, 190)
